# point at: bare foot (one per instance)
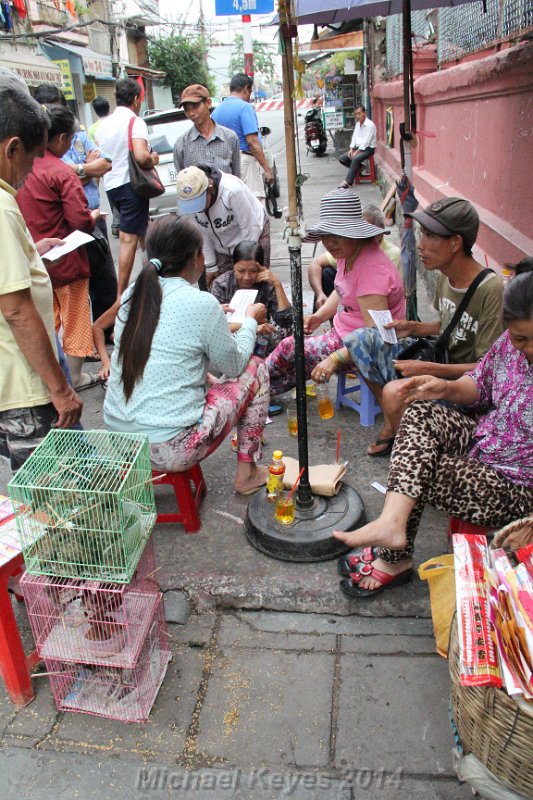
(382, 533)
(389, 569)
(251, 479)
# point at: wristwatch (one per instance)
(81, 171)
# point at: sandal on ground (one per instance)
(88, 380)
(350, 586)
(388, 441)
(274, 409)
(361, 555)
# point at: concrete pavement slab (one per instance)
(325, 624)
(393, 714)
(235, 632)
(268, 708)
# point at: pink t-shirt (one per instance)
(372, 273)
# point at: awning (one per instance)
(145, 72)
(97, 65)
(32, 67)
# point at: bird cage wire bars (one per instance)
(85, 505)
(126, 695)
(92, 622)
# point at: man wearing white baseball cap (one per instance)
(227, 212)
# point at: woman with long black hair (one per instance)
(167, 333)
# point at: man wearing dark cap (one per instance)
(206, 142)
(449, 229)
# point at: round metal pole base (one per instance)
(309, 537)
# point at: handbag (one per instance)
(435, 348)
(144, 182)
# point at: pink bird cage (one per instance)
(92, 622)
(125, 694)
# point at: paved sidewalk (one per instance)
(279, 685)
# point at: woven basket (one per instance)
(492, 726)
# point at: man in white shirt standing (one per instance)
(112, 138)
(362, 146)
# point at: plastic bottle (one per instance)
(276, 471)
(506, 276)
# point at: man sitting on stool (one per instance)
(362, 146)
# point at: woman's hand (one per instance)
(425, 387)
(44, 245)
(226, 308)
(257, 311)
(311, 323)
(265, 329)
(266, 276)
(104, 372)
(95, 214)
(324, 370)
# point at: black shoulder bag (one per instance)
(435, 348)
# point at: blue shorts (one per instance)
(133, 209)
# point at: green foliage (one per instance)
(182, 59)
(334, 65)
(263, 58)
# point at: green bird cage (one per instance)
(85, 505)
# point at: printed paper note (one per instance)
(239, 303)
(381, 318)
(71, 242)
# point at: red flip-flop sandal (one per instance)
(364, 555)
(350, 586)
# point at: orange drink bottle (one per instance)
(276, 471)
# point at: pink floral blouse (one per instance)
(504, 435)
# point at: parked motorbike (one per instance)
(315, 136)
(272, 191)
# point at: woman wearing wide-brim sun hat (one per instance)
(366, 280)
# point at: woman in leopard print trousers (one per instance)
(481, 471)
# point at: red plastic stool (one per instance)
(457, 525)
(190, 489)
(367, 177)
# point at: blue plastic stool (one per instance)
(367, 407)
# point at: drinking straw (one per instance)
(295, 484)
(486, 260)
(338, 446)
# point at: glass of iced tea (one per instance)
(292, 421)
(325, 406)
(285, 508)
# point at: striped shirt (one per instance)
(221, 150)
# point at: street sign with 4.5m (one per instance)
(224, 8)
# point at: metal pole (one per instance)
(304, 496)
(407, 69)
(247, 45)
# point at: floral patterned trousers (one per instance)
(241, 401)
(281, 361)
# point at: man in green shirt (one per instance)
(449, 229)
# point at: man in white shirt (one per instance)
(362, 146)
(112, 138)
